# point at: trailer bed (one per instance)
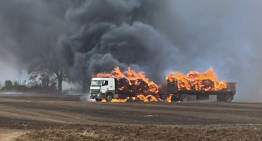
(167, 89)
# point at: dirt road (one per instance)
(71, 119)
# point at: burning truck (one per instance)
(119, 86)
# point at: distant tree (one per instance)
(8, 84)
(52, 64)
(16, 83)
(45, 79)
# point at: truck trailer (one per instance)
(113, 88)
(170, 89)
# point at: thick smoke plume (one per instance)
(149, 35)
(111, 34)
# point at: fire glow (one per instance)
(137, 81)
(195, 80)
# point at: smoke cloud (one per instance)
(222, 34)
(152, 36)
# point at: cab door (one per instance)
(104, 86)
(111, 84)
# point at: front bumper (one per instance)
(98, 96)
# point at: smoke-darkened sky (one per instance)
(150, 35)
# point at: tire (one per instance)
(183, 97)
(163, 97)
(109, 97)
(197, 97)
(228, 98)
(130, 100)
(98, 100)
(149, 99)
(173, 98)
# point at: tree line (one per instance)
(53, 69)
(43, 84)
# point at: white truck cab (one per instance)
(103, 88)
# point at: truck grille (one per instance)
(94, 91)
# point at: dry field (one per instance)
(29, 118)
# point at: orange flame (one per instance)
(198, 81)
(169, 98)
(141, 97)
(193, 80)
(116, 100)
(147, 98)
(133, 78)
(121, 100)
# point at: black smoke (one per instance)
(116, 33)
(30, 29)
(149, 35)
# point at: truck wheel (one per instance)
(173, 98)
(163, 97)
(98, 100)
(149, 99)
(183, 97)
(109, 97)
(228, 98)
(130, 99)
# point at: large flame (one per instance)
(121, 100)
(147, 98)
(169, 98)
(131, 80)
(195, 80)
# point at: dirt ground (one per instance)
(30, 118)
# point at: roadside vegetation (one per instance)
(42, 84)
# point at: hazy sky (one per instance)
(9, 72)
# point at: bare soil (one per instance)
(30, 118)
(10, 134)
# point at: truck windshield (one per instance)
(96, 83)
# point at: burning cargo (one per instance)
(170, 91)
(121, 86)
(197, 81)
(202, 85)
